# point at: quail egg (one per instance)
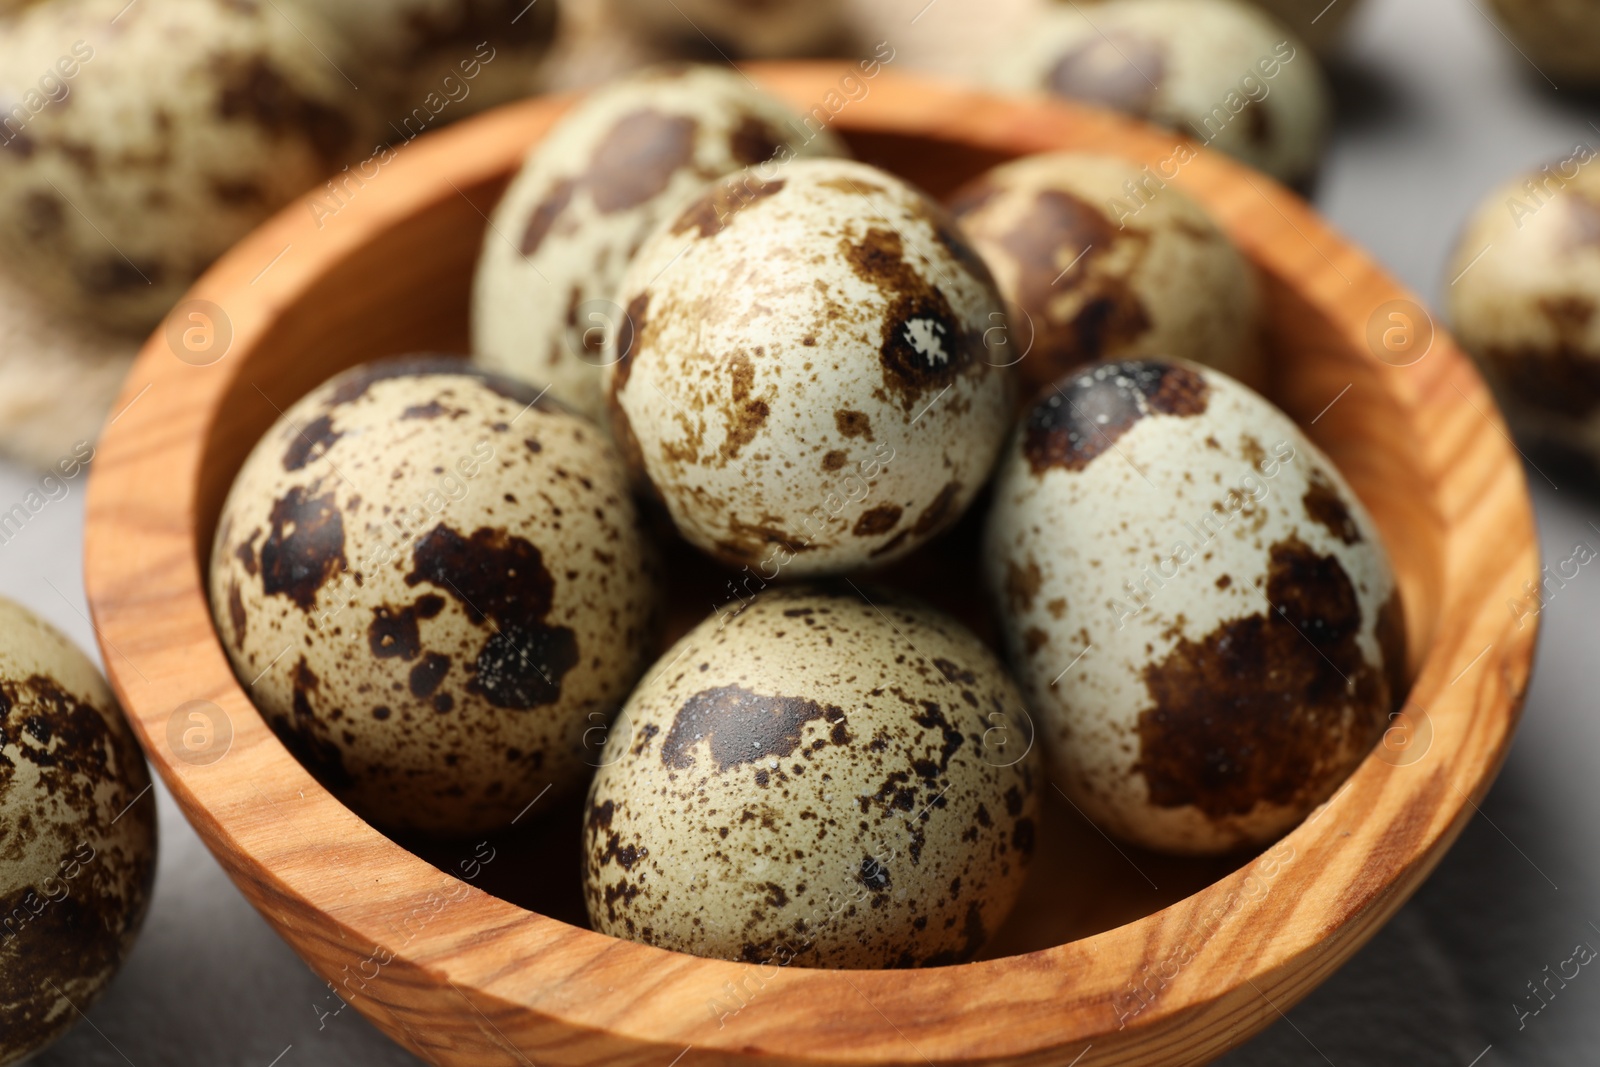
(1199, 610)
(1560, 40)
(1526, 286)
(133, 157)
(805, 372)
(77, 834)
(768, 29)
(448, 58)
(590, 192)
(1220, 71)
(435, 583)
(818, 778)
(58, 377)
(1098, 274)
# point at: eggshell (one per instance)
(1201, 613)
(588, 194)
(825, 777)
(1525, 285)
(768, 29)
(185, 124)
(1220, 71)
(77, 834)
(805, 372)
(1560, 40)
(449, 57)
(1098, 274)
(433, 582)
(58, 377)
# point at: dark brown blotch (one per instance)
(499, 576)
(638, 157)
(304, 547)
(1083, 416)
(922, 346)
(878, 521)
(251, 89)
(711, 212)
(742, 727)
(544, 216)
(1119, 69)
(1324, 503)
(311, 442)
(1270, 708)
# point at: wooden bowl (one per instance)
(1115, 956)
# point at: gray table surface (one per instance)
(1436, 109)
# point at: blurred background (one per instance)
(1433, 106)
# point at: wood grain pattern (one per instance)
(462, 977)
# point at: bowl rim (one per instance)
(335, 885)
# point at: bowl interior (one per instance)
(380, 299)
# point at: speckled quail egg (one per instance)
(137, 154)
(805, 371)
(1200, 611)
(449, 58)
(766, 29)
(1526, 286)
(77, 834)
(58, 377)
(1560, 38)
(818, 778)
(589, 193)
(1316, 22)
(1220, 71)
(434, 583)
(1097, 274)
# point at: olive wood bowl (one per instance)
(1114, 955)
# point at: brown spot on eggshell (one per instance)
(1562, 376)
(311, 441)
(922, 346)
(853, 423)
(1326, 506)
(246, 555)
(304, 548)
(501, 577)
(236, 614)
(711, 212)
(251, 89)
(1119, 69)
(1058, 230)
(431, 410)
(1271, 708)
(745, 413)
(630, 334)
(740, 726)
(636, 160)
(754, 140)
(877, 521)
(1022, 584)
(834, 460)
(426, 676)
(544, 216)
(1084, 416)
(394, 632)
